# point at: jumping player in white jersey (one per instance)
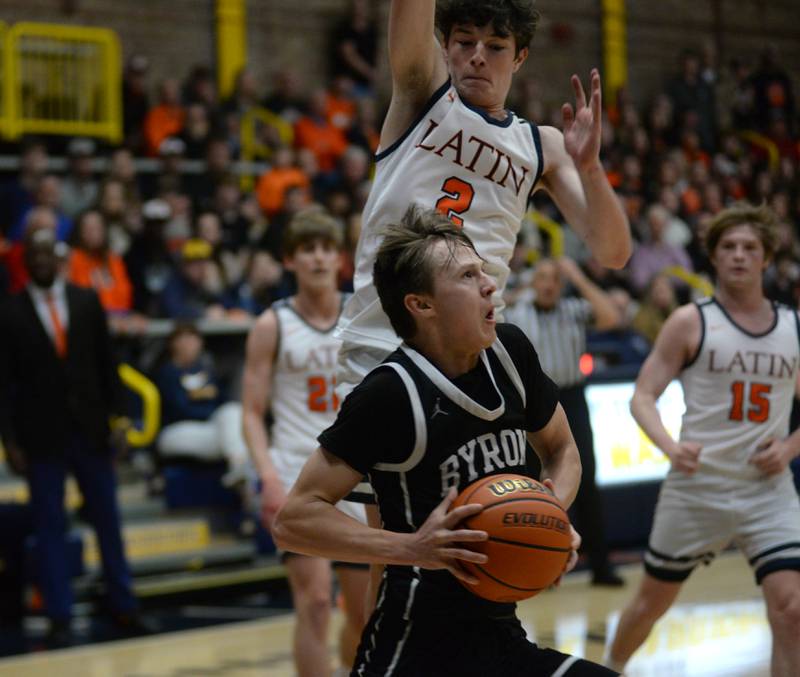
(737, 356)
(449, 142)
(290, 371)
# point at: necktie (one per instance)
(59, 335)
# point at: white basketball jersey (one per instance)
(477, 170)
(303, 399)
(739, 388)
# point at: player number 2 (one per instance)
(758, 411)
(457, 199)
(321, 394)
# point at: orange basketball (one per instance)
(529, 537)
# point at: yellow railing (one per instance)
(61, 80)
(694, 280)
(553, 229)
(5, 83)
(151, 406)
(252, 131)
(766, 144)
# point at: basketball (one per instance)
(529, 537)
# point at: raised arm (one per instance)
(416, 62)
(674, 347)
(577, 182)
(606, 315)
(262, 344)
(310, 523)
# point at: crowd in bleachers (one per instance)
(200, 237)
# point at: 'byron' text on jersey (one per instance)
(481, 456)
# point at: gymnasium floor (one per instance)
(718, 628)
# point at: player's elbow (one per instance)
(616, 256)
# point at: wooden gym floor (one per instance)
(717, 628)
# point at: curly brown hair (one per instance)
(507, 17)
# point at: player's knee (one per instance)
(314, 603)
(784, 613)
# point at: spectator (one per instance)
(48, 195)
(200, 88)
(196, 131)
(365, 130)
(37, 218)
(123, 169)
(227, 263)
(92, 264)
(166, 119)
(658, 303)
(135, 102)
(16, 197)
(773, 97)
(273, 183)
(58, 388)
(149, 261)
(259, 287)
(313, 131)
(286, 98)
(186, 294)
(244, 96)
(198, 420)
(355, 45)
(693, 101)
(219, 168)
(79, 189)
(652, 256)
(123, 219)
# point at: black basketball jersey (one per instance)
(417, 433)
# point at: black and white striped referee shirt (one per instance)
(558, 334)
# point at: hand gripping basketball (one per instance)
(530, 539)
(436, 545)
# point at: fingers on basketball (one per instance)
(529, 537)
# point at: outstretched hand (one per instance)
(582, 127)
(436, 544)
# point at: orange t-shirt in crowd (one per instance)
(162, 121)
(327, 142)
(272, 185)
(341, 112)
(106, 275)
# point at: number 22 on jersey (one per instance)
(322, 394)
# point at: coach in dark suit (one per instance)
(58, 389)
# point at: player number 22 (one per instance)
(758, 411)
(321, 394)
(457, 199)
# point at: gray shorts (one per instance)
(697, 517)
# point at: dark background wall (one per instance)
(177, 34)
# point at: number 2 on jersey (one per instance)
(758, 412)
(457, 199)
(322, 395)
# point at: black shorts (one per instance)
(446, 647)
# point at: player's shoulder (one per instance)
(688, 315)
(515, 341)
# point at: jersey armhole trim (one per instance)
(420, 429)
(511, 369)
(796, 323)
(697, 352)
(278, 330)
(537, 142)
(438, 94)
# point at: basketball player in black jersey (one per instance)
(456, 402)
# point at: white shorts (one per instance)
(288, 466)
(697, 517)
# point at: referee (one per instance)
(557, 327)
